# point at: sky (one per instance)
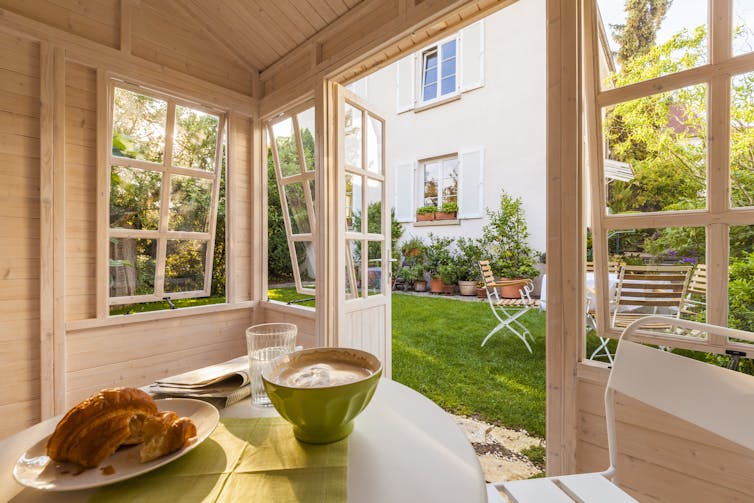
(683, 14)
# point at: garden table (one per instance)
(612, 279)
(404, 448)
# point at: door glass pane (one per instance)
(314, 195)
(307, 263)
(374, 271)
(742, 141)
(741, 278)
(307, 131)
(662, 139)
(132, 266)
(374, 145)
(195, 139)
(294, 194)
(134, 198)
(353, 136)
(353, 202)
(645, 42)
(184, 265)
(190, 200)
(374, 206)
(138, 126)
(743, 26)
(353, 268)
(285, 143)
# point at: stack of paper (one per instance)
(222, 384)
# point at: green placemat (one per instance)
(244, 460)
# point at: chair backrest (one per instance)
(612, 266)
(487, 276)
(651, 287)
(698, 282)
(711, 397)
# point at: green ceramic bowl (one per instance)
(321, 390)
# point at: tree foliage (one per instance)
(640, 31)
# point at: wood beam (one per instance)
(126, 20)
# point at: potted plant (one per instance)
(448, 211)
(470, 252)
(413, 247)
(448, 274)
(437, 254)
(414, 275)
(425, 213)
(506, 236)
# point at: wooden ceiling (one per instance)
(260, 32)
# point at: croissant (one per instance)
(163, 434)
(92, 430)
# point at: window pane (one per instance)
(671, 245)
(448, 85)
(430, 60)
(743, 26)
(314, 195)
(285, 142)
(430, 92)
(374, 271)
(374, 206)
(132, 266)
(448, 68)
(134, 198)
(662, 138)
(184, 265)
(374, 145)
(353, 268)
(307, 131)
(449, 49)
(353, 136)
(742, 140)
(307, 262)
(353, 202)
(431, 181)
(741, 278)
(294, 194)
(138, 126)
(190, 200)
(195, 139)
(450, 181)
(647, 42)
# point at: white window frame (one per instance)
(161, 235)
(718, 215)
(422, 175)
(437, 49)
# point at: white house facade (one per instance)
(458, 81)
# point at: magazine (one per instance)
(222, 384)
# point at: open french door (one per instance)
(361, 228)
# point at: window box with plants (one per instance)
(426, 213)
(448, 211)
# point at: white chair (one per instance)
(510, 309)
(711, 397)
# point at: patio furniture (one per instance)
(711, 397)
(507, 311)
(403, 448)
(649, 289)
(696, 293)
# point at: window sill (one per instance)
(434, 223)
(420, 107)
(127, 319)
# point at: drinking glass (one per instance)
(265, 343)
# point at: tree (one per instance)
(640, 31)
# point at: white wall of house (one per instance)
(504, 119)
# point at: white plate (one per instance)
(34, 469)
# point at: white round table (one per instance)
(404, 448)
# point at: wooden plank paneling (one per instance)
(239, 208)
(304, 319)
(80, 191)
(20, 241)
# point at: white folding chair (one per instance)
(711, 397)
(510, 309)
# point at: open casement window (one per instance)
(291, 140)
(442, 70)
(165, 169)
(690, 197)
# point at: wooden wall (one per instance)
(661, 458)
(57, 344)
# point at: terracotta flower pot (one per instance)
(441, 215)
(436, 285)
(425, 217)
(448, 289)
(510, 292)
(420, 286)
(481, 293)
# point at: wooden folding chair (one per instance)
(711, 397)
(510, 309)
(696, 293)
(649, 289)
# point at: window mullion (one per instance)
(214, 201)
(162, 244)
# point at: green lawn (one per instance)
(436, 352)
